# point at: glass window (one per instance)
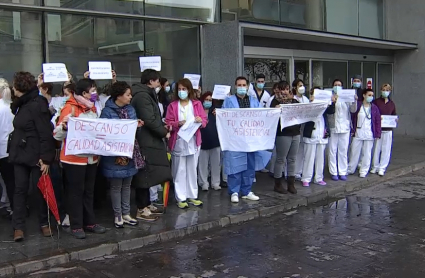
(342, 16)
(20, 43)
(23, 2)
(274, 70)
(129, 6)
(203, 10)
(302, 72)
(266, 11)
(385, 76)
(325, 72)
(371, 18)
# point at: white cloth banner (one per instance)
(100, 137)
(299, 113)
(247, 129)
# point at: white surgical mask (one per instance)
(301, 90)
(157, 89)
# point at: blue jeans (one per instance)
(242, 181)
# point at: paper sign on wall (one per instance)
(389, 121)
(195, 79)
(55, 72)
(299, 113)
(150, 62)
(248, 129)
(221, 91)
(100, 137)
(100, 70)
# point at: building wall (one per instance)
(406, 22)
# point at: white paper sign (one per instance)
(247, 129)
(347, 95)
(221, 91)
(54, 72)
(150, 62)
(187, 130)
(100, 137)
(100, 70)
(322, 95)
(389, 121)
(299, 113)
(194, 78)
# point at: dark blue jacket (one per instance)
(109, 169)
(209, 134)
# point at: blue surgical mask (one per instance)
(241, 91)
(357, 85)
(183, 95)
(207, 104)
(369, 99)
(385, 93)
(39, 93)
(336, 89)
(167, 89)
(260, 86)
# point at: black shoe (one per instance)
(78, 234)
(224, 184)
(96, 229)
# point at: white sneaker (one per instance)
(234, 198)
(129, 220)
(251, 196)
(255, 180)
(65, 222)
(381, 173)
(362, 175)
(264, 171)
(205, 187)
(216, 187)
(119, 223)
(373, 171)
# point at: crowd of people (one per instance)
(34, 128)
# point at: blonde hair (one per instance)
(5, 92)
(386, 86)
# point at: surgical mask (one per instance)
(183, 95)
(301, 90)
(260, 86)
(336, 89)
(357, 85)
(93, 96)
(369, 99)
(385, 93)
(157, 89)
(167, 89)
(241, 91)
(207, 104)
(39, 93)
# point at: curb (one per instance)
(36, 264)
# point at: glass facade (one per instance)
(274, 70)
(352, 17)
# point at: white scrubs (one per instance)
(382, 153)
(300, 155)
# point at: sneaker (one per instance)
(216, 187)
(343, 178)
(362, 175)
(145, 215)
(18, 236)
(334, 178)
(65, 222)
(46, 231)
(119, 222)
(234, 198)
(264, 171)
(373, 171)
(157, 203)
(78, 233)
(156, 211)
(251, 196)
(128, 220)
(306, 184)
(183, 205)
(224, 184)
(95, 229)
(321, 183)
(195, 202)
(255, 180)
(205, 187)
(381, 173)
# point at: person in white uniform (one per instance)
(315, 138)
(382, 153)
(185, 109)
(339, 140)
(366, 128)
(298, 90)
(257, 90)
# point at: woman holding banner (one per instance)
(80, 171)
(185, 153)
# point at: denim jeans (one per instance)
(120, 195)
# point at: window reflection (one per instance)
(203, 10)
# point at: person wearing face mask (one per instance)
(339, 140)
(209, 156)
(257, 90)
(186, 108)
(366, 127)
(151, 141)
(240, 167)
(382, 152)
(357, 85)
(95, 98)
(163, 102)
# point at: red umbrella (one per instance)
(166, 189)
(46, 187)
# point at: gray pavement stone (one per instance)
(131, 244)
(94, 252)
(6, 270)
(249, 215)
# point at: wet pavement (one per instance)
(376, 232)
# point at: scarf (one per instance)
(137, 155)
(85, 103)
(25, 98)
(281, 98)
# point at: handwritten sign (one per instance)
(100, 137)
(187, 131)
(150, 62)
(347, 95)
(195, 79)
(389, 121)
(247, 129)
(100, 70)
(55, 72)
(299, 113)
(221, 91)
(322, 95)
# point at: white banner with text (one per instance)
(299, 113)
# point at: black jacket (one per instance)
(209, 133)
(309, 126)
(32, 138)
(150, 138)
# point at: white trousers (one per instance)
(382, 153)
(185, 177)
(363, 147)
(154, 192)
(209, 160)
(300, 160)
(338, 153)
(314, 160)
